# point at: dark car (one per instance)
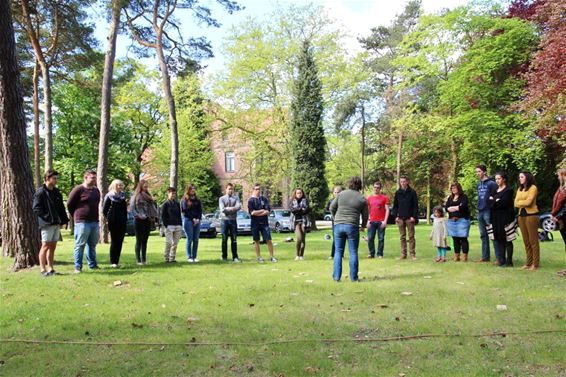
(130, 228)
(207, 229)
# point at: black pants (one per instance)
(229, 228)
(117, 233)
(461, 244)
(504, 252)
(142, 228)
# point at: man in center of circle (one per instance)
(346, 210)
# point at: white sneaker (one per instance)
(139, 264)
(273, 259)
(260, 260)
(196, 260)
(237, 260)
(297, 258)
(114, 265)
(302, 258)
(77, 271)
(190, 260)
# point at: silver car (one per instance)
(280, 220)
(243, 219)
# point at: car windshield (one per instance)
(283, 213)
(243, 215)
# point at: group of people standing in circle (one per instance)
(495, 214)
(497, 221)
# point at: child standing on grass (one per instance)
(439, 234)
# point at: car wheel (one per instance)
(277, 227)
(548, 224)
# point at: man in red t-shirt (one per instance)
(378, 205)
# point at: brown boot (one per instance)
(465, 257)
(456, 257)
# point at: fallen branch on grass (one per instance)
(281, 341)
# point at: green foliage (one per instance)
(308, 144)
(195, 155)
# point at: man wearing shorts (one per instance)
(50, 210)
(259, 209)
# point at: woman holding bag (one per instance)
(503, 227)
(458, 224)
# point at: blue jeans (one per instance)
(375, 227)
(86, 234)
(229, 228)
(484, 218)
(193, 233)
(343, 232)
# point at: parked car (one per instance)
(546, 223)
(327, 216)
(207, 229)
(130, 228)
(243, 219)
(280, 220)
(208, 216)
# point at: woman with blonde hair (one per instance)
(558, 211)
(144, 209)
(115, 211)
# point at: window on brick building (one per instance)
(230, 162)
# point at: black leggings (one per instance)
(461, 244)
(142, 228)
(504, 252)
(117, 233)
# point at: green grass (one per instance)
(283, 301)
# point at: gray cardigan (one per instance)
(347, 208)
(229, 207)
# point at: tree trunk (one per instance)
(47, 123)
(363, 148)
(452, 176)
(428, 197)
(35, 102)
(106, 102)
(166, 82)
(40, 58)
(20, 232)
(399, 150)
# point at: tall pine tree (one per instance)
(308, 144)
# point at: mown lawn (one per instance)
(256, 304)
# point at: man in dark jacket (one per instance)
(406, 210)
(486, 186)
(50, 210)
(171, 220)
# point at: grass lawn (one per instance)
(253, 303)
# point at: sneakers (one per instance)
(190, 260)
(370, 256)
(237, 260)
(260, 260)
(196, 260)
(273, 259)
(297, 258)
(44, 273)
(139, 263)
(77, 271)
(302, 258)
(114, 265)
(380, 257)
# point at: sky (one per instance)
(356, 18)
